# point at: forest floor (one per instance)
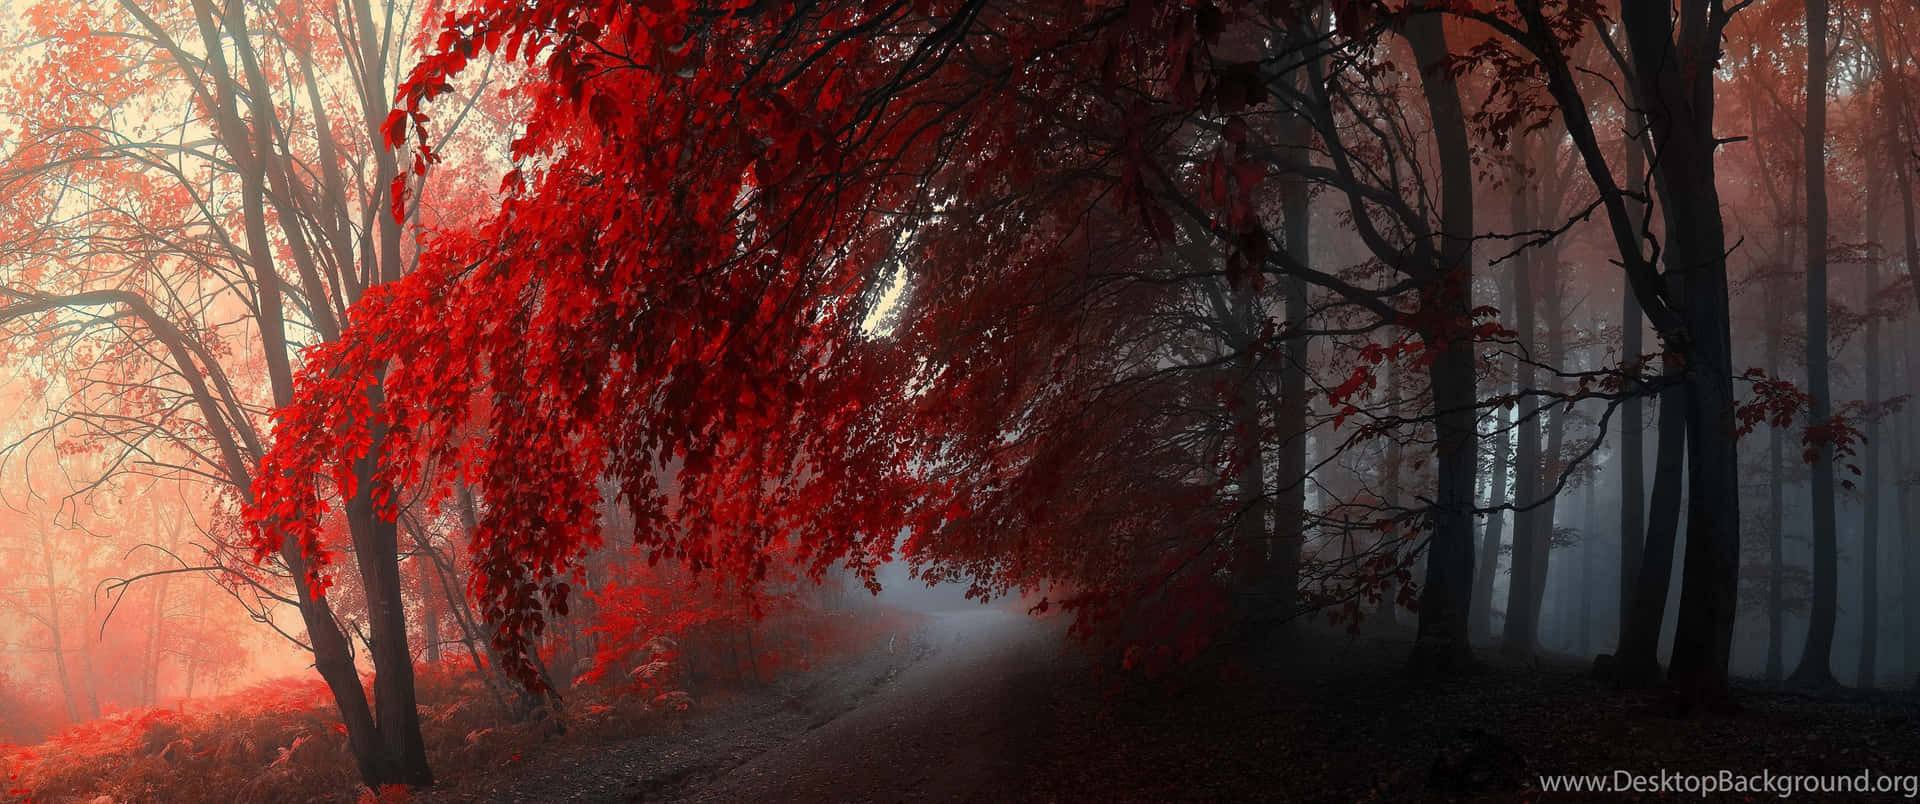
(992, 706)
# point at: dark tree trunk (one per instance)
(1676, 86)
(1638, 657)
(1444, 642)
(1816, 658)
(1633, 422)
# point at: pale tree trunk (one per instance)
(1522, 621)
(1552, 418)
(1290, 414)
(55, 625)
(1910, 528)
(1910, 242)
(1248, 435)
(1590, 524)
(1776, 511)
(1870, 460)
(1488, 562)
(1390, 492)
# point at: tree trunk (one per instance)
(1910, 240)
(55, 625)
(429, 614)
(1776, 521)
(1909, 545)
(1390, 482)
(1290, 414)
(1816, 658)
(1522, 622)
(1488, 562)
(1444, 642)
(1676, 86)
(1870, 460)
(1551, 418)
(1638, 657)
(1633, 423)
(1248, 437)
(1501, 494)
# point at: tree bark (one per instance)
(1444, 643)
(1633, 423)
(1290, 414)
(1488, 561)
(1776, 518)
(1552, 421)
(1909, 548)
(1676, 85)
(1870, 459)
(1816, 658)
(1638, 657)
(1532, 521)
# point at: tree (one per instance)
(1815, 661)
(1675, 49)
(211, 245)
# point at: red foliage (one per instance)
(680, 300)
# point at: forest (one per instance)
(960, 400)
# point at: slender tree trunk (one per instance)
(1290, 414)
(1521, 628)
(1776, 523)
(1816, 659)
(1444, 643)
(1591, 524)
(1552, 420)
(1910, 542)
(1910, 240)
(1390, 488)
(1502, 493)
(429, 610)
(1870, 458)
(1633, 423)
(1488, 561)
(55, 624)
(1248, 438)
(1638, 656)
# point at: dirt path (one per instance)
(943, 714)
(990, 706)
(953, 727)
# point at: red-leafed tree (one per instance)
(198, 189)
(712, 348)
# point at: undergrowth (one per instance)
(282, 741)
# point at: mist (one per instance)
(957, 400)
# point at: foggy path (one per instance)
(947, 715)
(953, 727)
